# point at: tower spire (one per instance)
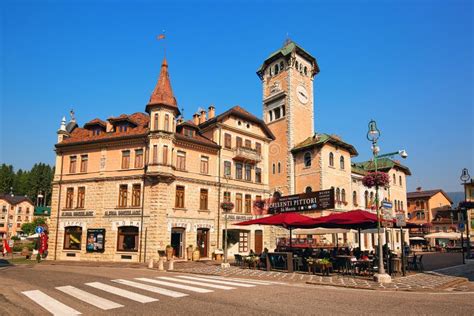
(163, 93)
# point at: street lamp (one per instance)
(465, 177)
(373, 136)
(226, 208)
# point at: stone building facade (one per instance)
(14, 211)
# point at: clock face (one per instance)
(302, 94)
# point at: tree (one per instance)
(29, 228)
(7, 177)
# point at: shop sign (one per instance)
(95, 240)
(77, 213)
(116, 224)
(123, 213)
(312, 201)
(184, 225)
(73, 223)
(237, 217)
(202, 225)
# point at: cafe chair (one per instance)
(238, 260)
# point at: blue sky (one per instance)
(409, 65)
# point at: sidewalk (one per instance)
(428, 281)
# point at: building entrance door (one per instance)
(177, 242)
(203, 241)
(258, 241)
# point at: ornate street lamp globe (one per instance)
(374, 133)
(465, 177)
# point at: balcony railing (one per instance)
(247, 154)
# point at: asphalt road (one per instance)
(268, 299)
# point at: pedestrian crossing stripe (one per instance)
(256, 282)
(151, 288)
(216, 281)
(89, 298)
(215, 286)
(175, 285)
(50, 304)
(120, 292)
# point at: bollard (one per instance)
(160, 264)
(150, 264)
(171, 265)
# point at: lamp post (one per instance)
(465, 177)
(226, 208)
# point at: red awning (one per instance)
(349, 220)
(286, 220)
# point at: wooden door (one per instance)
(258, 241)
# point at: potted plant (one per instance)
(196, 254)
(380, 179)
(189, 252)
(169, 252)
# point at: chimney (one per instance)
(212, 111)
(196, 119)
(108, 127)
(62, 132)
(202, 117)
(180, 120)
(418, 189)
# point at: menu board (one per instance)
(95, 240)
(318, 200)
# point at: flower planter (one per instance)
(189, 252)
(169, 252)
(196, 255)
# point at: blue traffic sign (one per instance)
(39, 229)
(387, 204)
(461, 226)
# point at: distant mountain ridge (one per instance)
(456, 197)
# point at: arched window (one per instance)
(400, 180)
(296, 65)
(155, 123)
(307, 159)
(354, 198)
(167, 122)
(282, 65)
(371, 198)
(401, 205)
(341, 162)
(273, 166)
(276, 195)
(308, 190)
(279, 167)
(338, 195)
(343, 195)
(331, 159)
(395, 205)
(276, 69)
(305, 70)
(394, 179)
(366, 199)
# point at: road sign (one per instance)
(400, 218)
(39, 229)
(387, 205)
(10, 243)
(461, 227)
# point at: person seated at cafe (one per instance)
(307, 252)
(263, 258)
(252, 253)
(364, 256)
(357, 252)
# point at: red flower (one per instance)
(378, 178)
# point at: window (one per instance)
(248, 203)
(248, 172)
(181, 160)
(305, 70)
(400, 182)
(271, 115)
(188, 132)
(371, 198)
(238, 142)
(69, 197)
(308, 190)
(276, 69)
(331, 159)
(401, 205)
(273, 167)
(167, 122)
(123, 128)
(248, 143)
(127, 238)
(72, 164)
(307, 159)
(138, 158)
(227, 169)
(84, 159)
(179, 200)
(394, 179)
(155, 121)
(258, 148)
(243, 241)
(296, 65)
(354, 198)
(238, 203)
(81, 197)
(281, 66)
(238, 171)
(136, 194)
(204, 165)
(227, 141)
(338, 195)
(165, 155)
(341, 162)
(72, 237)
(18, 218)
(422, 204)
(155, 154)
(27, 210)
(226, 196)
(123, 192)
(343, 195)
(279, 167)
(125, 159)
(277, 113)
(366, 199)
(203, 199)
(258, 175)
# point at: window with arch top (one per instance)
(400, 180)
(276, 69)
(308, 190)
(307, 159)
(343, 195)
(366, 199)
(394, 179)
(282, 65)
(331, 159)
(354, 198)
(341, 162)
(338, 195)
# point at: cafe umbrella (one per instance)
(286, 220)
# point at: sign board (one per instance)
(400, 218)
(312, 201)
(95, 240)
(10, 243)
(39, 229)
(461, 227)
(387, 205)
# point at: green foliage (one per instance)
(15, 238)
(29, 228)
(7, 176)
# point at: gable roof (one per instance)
(382, 165)
(319, 140)
(15, 199)
(427, 194)
(242, 113)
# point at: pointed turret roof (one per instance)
(163, 93)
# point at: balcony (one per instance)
(247, 155)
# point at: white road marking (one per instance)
(124, 293)
(215, 286)
(258, 282)
(50, 304)
(89, 298)
(151, 288)
(216, 281)
(179, 286)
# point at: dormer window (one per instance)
(122, 128)
(188, 132)
(96, 132)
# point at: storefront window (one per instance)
(72, 237)
(127, 238)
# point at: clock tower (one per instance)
(287, 80)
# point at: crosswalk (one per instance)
(175, 287)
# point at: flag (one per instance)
(6, 247)
(160, 37)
